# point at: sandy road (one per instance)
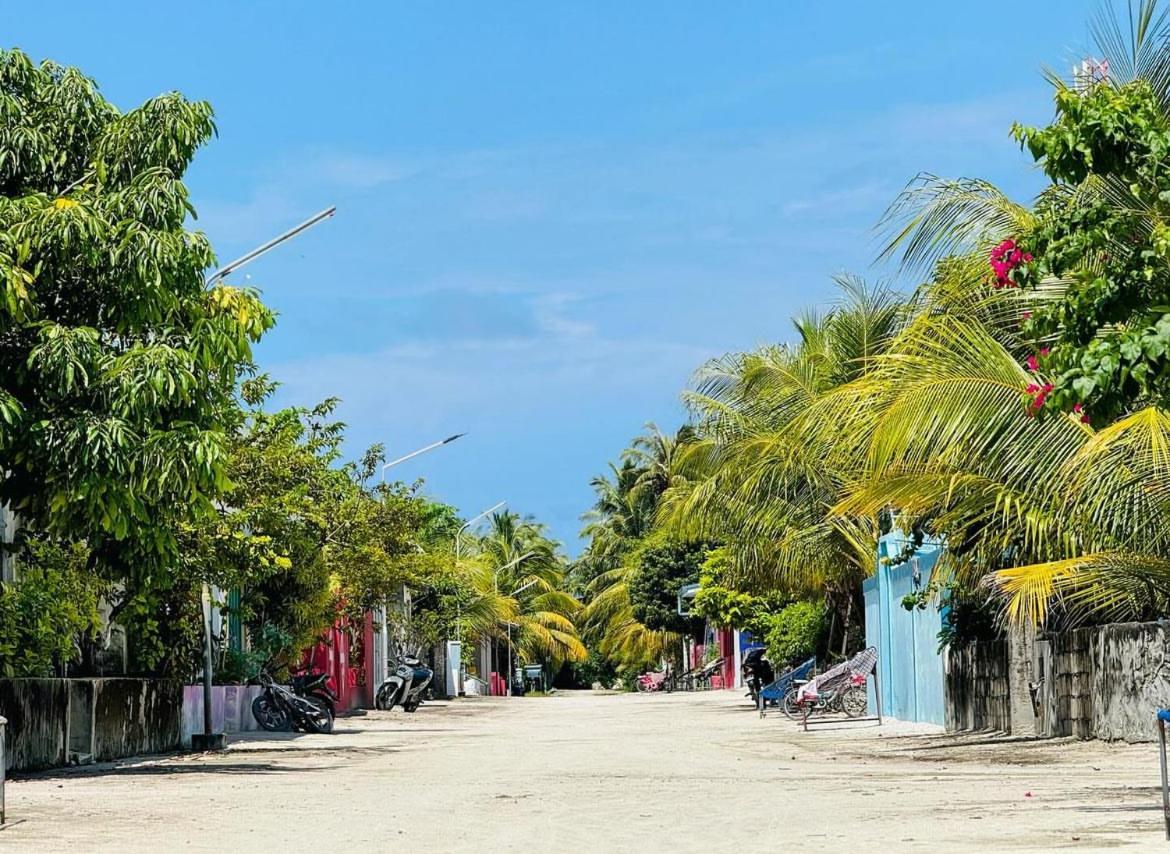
(602, 772)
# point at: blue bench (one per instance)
(774, 692)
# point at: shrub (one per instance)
(795, 633)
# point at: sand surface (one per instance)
(603, 772)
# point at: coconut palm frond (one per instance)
(936, 218)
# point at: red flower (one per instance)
(1032, 364)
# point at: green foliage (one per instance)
(596, 668)
(724, 605)
(45, 616)
(1102, 230)
(795, 633)
(119, 368)
(662, 570)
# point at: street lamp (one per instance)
(518, 590)
(414, 454)
(249, 257)
(458, 534)
(209, 740)
(471, 522)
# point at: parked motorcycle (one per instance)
(757, 671)
(315, 686)
(405, 686)
(279, 709)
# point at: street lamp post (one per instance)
(405, 592)
(208, 739)
(518, 590)
(249, 257)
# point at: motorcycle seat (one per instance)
(309, 681)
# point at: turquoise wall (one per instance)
(910, 668)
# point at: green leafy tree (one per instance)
(662, 570)
(118, 364)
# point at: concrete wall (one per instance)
(1131, 678)
(50, 720)
(38, 722)
(1103, 682)
(231, 709)
(977, 688)
(135, 716)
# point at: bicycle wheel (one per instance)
(791, 704)
(855, 701)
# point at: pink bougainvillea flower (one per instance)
(1027, 315)
(1043, 352)
(1032, 388)
(1027, 257)
(1032, 364)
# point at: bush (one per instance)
(795, 633)
(45, 614)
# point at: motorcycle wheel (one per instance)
(643, 687)
(268, 715)
(411, 705)
(855, 702)
(321, 720)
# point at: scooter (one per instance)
(405, 686)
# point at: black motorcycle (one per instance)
(757, 671)
(278, 709)
(315, 687)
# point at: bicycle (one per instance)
(850, 699)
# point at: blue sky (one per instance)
(549, 214)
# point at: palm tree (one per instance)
(528, 572)
(622, 517)
(1079, 519)
(766, 467)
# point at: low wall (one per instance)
(231, 709)
(51, 721)
(1103, 682)
(38, 722)
(135, 716)
(1130, 679)
(977, 689)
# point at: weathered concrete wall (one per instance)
(38, 722)
(135, 716)
(102, 718)
(1104, 682)
(977, 688)
(1131, 678)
